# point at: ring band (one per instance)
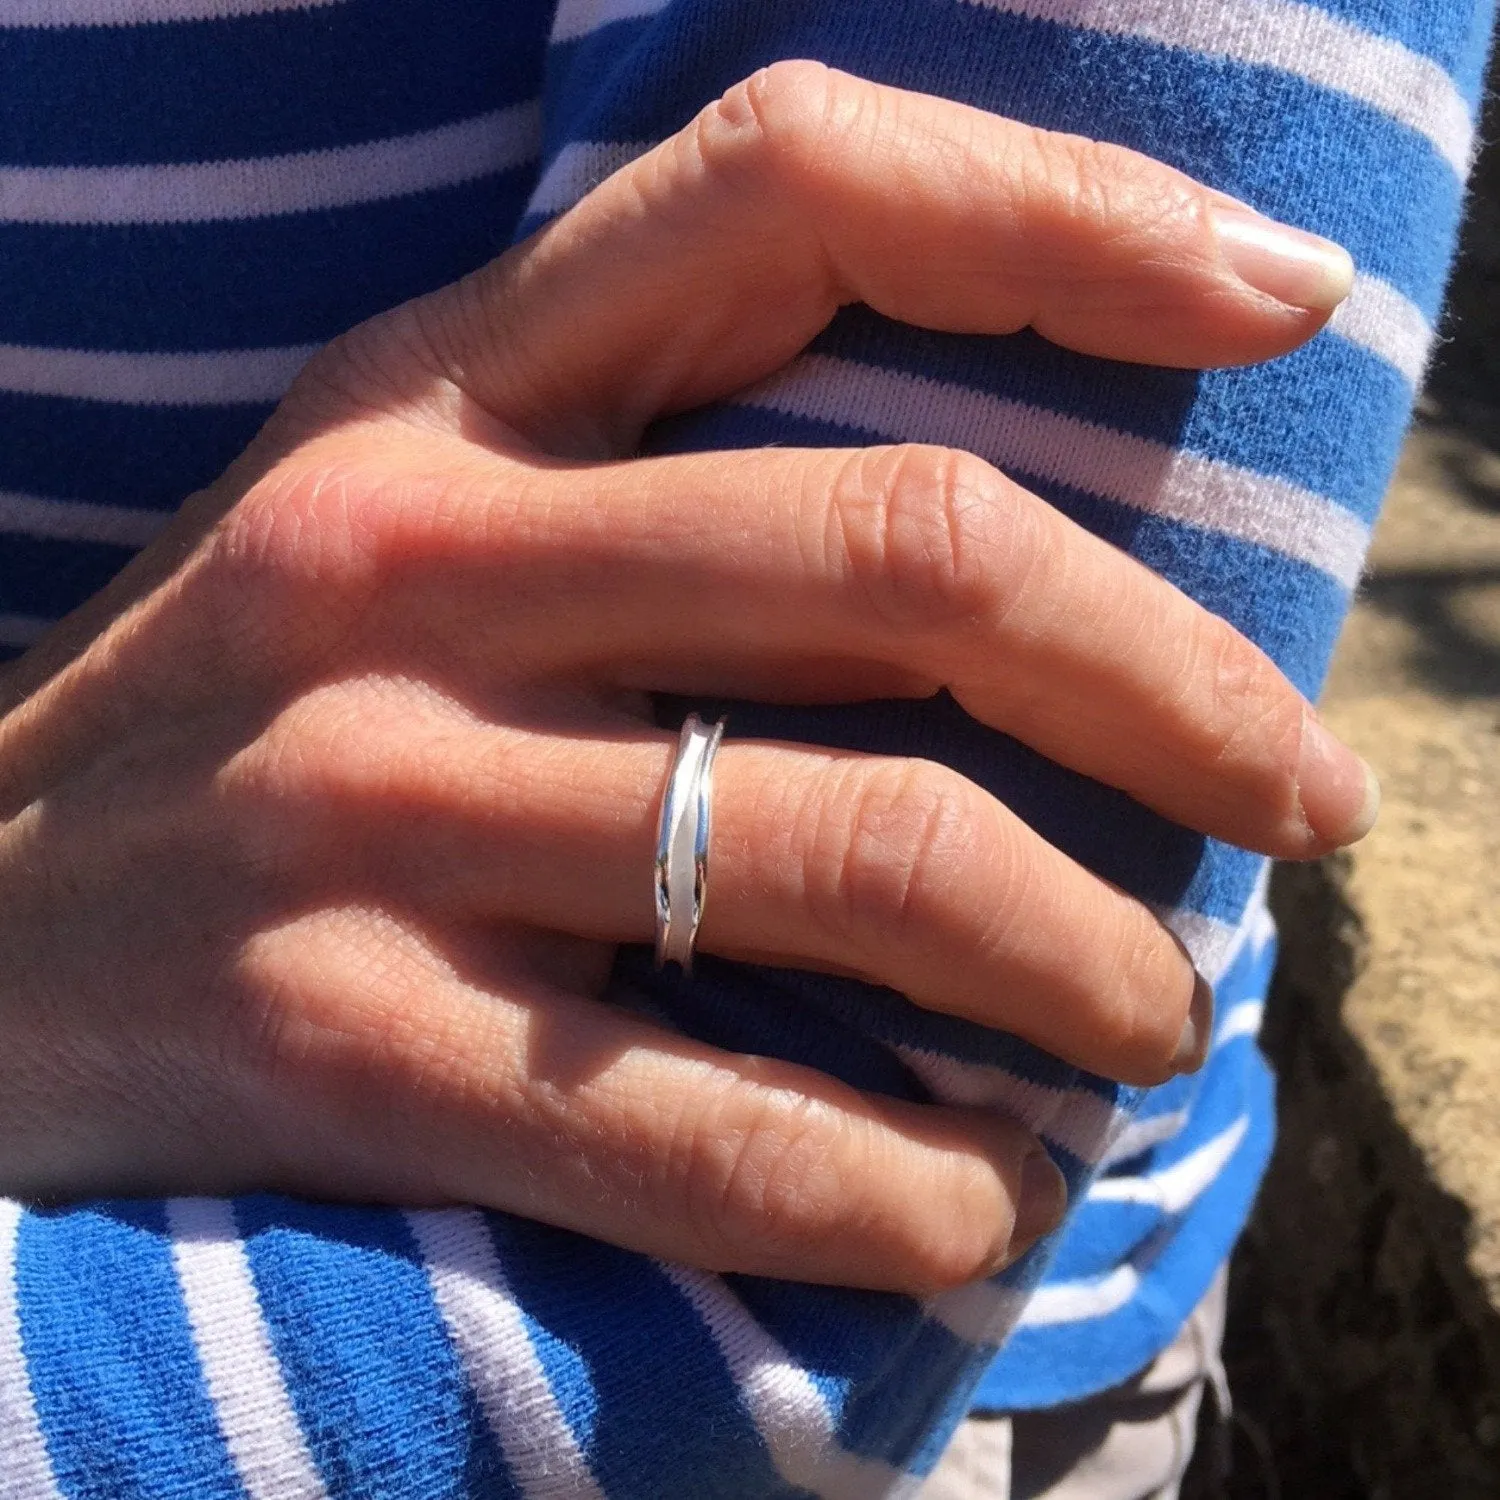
(682, 843)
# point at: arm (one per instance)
(790, 1414)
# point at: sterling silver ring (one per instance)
(682, 843)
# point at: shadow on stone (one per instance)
(1464, 380)
(1454, 655)
(1364, 1357)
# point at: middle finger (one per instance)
(804, 574)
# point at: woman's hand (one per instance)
(323, 822)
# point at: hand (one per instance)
(323, 822)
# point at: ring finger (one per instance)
(897, 870)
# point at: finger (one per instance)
(458, 1075)
(804, 574)
(711, 260)
(897, 870)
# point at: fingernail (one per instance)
(1041, 1205)
(1192, 1045)
(1303, 270)
(1338, 790)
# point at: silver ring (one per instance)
(682, 843)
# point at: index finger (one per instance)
(712, 259)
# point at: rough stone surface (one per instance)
(1364, 1335)
(1417, 687)
(1364, 1339)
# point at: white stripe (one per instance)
(1262, 923)
(786, 1406)
(244, 1379)
(1142, 1135)
(985, 1312)
(25, 1469)
(75, 521)
(1379, 318)
(489, 1333)
(217, 378)
(1241, 1020)
(982, 1313)
(1080, 1121)
(51, 13)
(576, 18)
(1134, 471)
(1215, 946)
(1298, 39)
(1174, 1189)
(22, 630)
(1212, 944)
(197, 192)
(578, 169)
(1077, 1301)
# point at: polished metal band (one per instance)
(682, 842)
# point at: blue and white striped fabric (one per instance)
(193, 195)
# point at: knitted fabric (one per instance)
(194, 194)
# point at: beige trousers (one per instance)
(1132, 1442)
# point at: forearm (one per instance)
(518, 1352)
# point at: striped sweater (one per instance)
(194, 194)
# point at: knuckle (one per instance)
(322, 545)
(926, 537)
(330, 768)
(287, 791)
(1123, 197)
(376, 368)
(324, 744)
(793, 1179)
(899, 841)
(778, 119)
(291, 566)
(956, 1244)
(1244, 718)
(1139, 1011)
(324, 1006)
(766, 1171)
(334, 514)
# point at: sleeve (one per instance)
(272, 1348)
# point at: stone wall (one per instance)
(1364, 1339)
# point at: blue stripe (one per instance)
(851, 1336)
(157, 455)
(119, 1392)
(1143, 400)
(294, 279)
(47, 579)
(1165, 1099)
(889, 1416)
(1328, 417)
(885, 1014)
(739, 1007)
(292, 80)
(886, 1371)
(664, 1404)
(371, 1374)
